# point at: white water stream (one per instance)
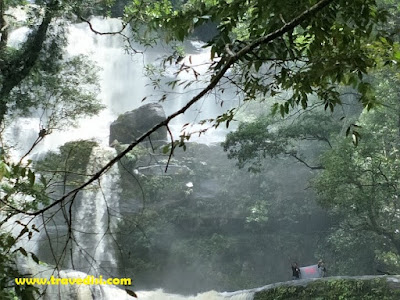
(96, 218)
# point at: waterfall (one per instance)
(123, 86)
(96, 217)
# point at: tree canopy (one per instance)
(357, 183)
(360, 184)
(270, 47)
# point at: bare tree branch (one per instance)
(172, 149)
(107, 33)
(119, 32)
(305, 163)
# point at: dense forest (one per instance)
(197, 145)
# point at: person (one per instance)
(321, 268)
(295, 271)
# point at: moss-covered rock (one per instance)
(69, 163)
(363, 287)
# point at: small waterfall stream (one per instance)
(96, 217)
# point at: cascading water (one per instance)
(123, 86)
(96, 217)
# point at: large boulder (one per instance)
(131, 125)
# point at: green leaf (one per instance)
(31, 177)
(275, 108)
(10, 241)
(166, 149)
(43, 180)
(35, 258)
(23, 231)
(212, 53)
(131, 293)
(23, 251)
(282, 109)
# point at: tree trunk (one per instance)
(17, 69)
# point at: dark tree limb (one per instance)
(172, 149)
(305, 163)
(108, 32)
(227, 63)
(119, 32)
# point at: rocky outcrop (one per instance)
(339, 287)
(131, 125)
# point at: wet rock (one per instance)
(131, 125)
(338, 287)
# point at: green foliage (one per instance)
(8, 269)
(330, 48)
(54, 88)
(359, 184)
(26, 188)
(268, 136)
(231, 229)
(18, 186)
(351, 252)
(68, 165)
(38, 77)
(94, 8)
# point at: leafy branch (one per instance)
(227, 64)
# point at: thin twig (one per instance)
(172, 148)
(106, 33)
